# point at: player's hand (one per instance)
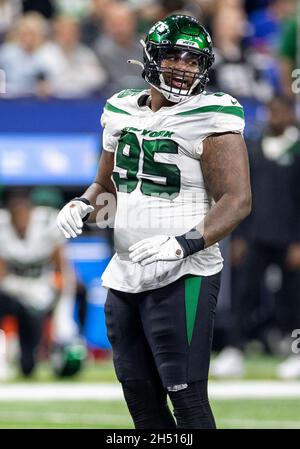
(161, 247)
(69, 219)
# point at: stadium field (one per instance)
(94, 400)
(257, 367)
(229, 414)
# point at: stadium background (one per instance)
(50, 138)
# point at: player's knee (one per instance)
(141, 397)
(191, 407)
(148, 408)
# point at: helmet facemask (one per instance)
(174, 83)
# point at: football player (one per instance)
(175, 158)
(32, 270)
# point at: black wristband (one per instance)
(85, 201)
(191, 242)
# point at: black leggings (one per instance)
(30, 325)
(147, 403)
(191, 407)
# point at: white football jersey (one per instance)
(159, 182)
(28, 258)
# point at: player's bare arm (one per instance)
(58, 259)
(3, 271)
(225, 168)
(60, 267)
(71, 218)
(102, 183)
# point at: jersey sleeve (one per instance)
(111, 122)
(227, 117)
(109, 142)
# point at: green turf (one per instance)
(229, 414)
(257, 367)
(92, 372)
(257, 414)
(65, 415)
(236, 414)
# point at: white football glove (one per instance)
(69, 219)
(161, 247)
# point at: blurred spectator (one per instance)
(235, 70)
(169, 7)
(271, 237)
(117, 45)
(67, 346)
(266, 24)
(44, 7)
(149, 12)
(9, 11)
(47, 197)
(74, 8)
(204, 10)
(288, 52)
(92, 24)
(71, 69)
(32, 271)
(229, 4)
(266, 28)
(20, 58)
(252, 5)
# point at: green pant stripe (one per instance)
(192, 290)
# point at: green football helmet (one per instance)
(68, 359)
(178, 37)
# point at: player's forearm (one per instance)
(224, 217)
(93, 203)
(93, 195)
(3, 270)
(102, 191)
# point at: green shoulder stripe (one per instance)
(127, 92)
(233, 110)
(112, 108)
